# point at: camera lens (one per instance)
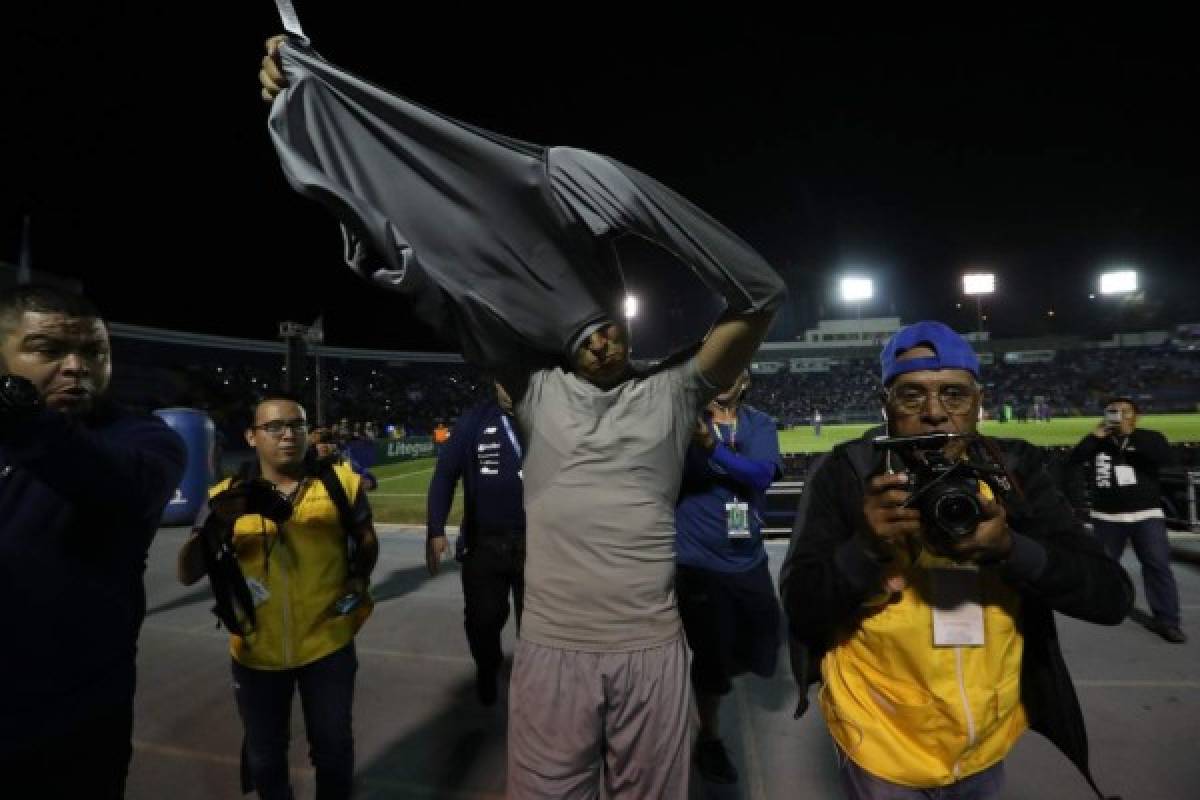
(957, 513)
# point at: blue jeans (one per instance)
(859, 784)
(264, 699)
(1154, 552)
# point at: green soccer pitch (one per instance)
(400, 497)
(1062, 431)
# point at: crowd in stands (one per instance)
(1075, 382)
(374, 399)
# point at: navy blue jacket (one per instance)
(80, 502)
(482, 454)
(742, 466)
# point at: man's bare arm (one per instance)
(731, 345)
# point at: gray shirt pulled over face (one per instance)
(602, 473)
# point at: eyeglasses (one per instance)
(955, 398)
(276, 427)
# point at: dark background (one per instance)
(1043, 150)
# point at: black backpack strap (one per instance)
(337, 493)
(234, 603)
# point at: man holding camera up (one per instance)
(1122, 470)
(307, 555)
(922, 579)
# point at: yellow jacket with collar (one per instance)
(303, 569)
(921, 715)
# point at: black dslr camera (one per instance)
(945, 492)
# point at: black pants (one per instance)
(87, 759)
(264, 699)
(494, 566)
(732, 621)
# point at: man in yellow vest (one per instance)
(308, 578)
(924, 590)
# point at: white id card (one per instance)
(737, 519)
(957, 613)
(1125, 475)
(258, 592)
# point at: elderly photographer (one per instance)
(922, 579)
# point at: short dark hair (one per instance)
(267, 396)
(16, 300)
(1123, 399)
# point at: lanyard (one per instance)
(512, 437)
(732, 443)
(268, 544)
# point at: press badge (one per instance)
(1125, 475)
(737, 519)
(957, 612)
(257, 591)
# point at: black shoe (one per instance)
(1171, 633)
(713, 762)
(485, 686)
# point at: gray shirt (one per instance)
(602, 474)
(502, 245)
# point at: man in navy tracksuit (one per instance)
(82, 491)
(484, 451)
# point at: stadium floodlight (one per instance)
(1119, 282)
(977, 283)
(855, 290)
(631, 306)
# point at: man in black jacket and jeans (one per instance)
(1122, 472)
(82, 491)
(937, 654)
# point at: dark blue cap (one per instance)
(951, 351)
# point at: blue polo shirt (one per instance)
(742, 466)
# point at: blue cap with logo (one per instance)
(951, 351)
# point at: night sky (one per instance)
(1044, 151)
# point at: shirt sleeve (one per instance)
(758, 475)
(129, 471)
(446, 473)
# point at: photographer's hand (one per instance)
(255, 496)
(891, 534)
(990, 542)
(890, 527)
(1101, 431)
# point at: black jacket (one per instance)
(1145, 451)
(80, 502)
(1055, 565)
